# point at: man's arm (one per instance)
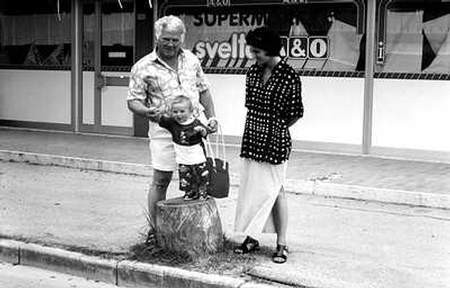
(137, 107)
(207, 103)
(210, 113)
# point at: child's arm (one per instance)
(156, 114)
(201, 130)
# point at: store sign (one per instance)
(218, 3)
(221, 3)
(229, 19)
(217, 37)
(307, 47)
(236, 48)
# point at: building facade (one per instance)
(375, 74)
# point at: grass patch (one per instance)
(224, 262)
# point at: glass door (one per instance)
(108, 49)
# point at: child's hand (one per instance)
(201, 130)
(153, 113)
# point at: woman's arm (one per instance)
(294, 104)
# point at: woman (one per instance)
(274, 103)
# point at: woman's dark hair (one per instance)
(265, 39)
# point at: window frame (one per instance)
(360, 6)
(381, 32)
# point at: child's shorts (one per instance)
(193, 177)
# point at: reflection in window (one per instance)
(417, 37)
(117, 35)
(318, 37)
(33, 34)
(437, 34)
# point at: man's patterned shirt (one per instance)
(154, 82)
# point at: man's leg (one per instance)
(163, 162)
(157, 192)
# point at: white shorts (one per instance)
(163, 154)
(162, 151)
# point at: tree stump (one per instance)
(191, 227)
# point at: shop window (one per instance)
(35, 34)
(414, 37)
(116, 37)
(317, 37)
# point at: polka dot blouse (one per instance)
(271, 106)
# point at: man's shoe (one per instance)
(151, 237)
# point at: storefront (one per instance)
(64, 65)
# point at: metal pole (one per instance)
(155, 17)
(77, 69)
(97, 67)
(368, 81)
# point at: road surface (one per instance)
(18, 276)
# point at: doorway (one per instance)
(107, 56)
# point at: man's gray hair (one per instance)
(172, 23)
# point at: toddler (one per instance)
(187, 133)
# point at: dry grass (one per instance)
(224, 262)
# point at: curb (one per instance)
(75, 162)
(122, 273)
(355, 192)
(294, 186)
(299, 280)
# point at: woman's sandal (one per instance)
(281, 254)
(249, 245)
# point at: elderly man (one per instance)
(166, 72)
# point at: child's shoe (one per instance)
(189, 195)
(203, 195)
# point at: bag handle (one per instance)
(209, 151)
(219, 141)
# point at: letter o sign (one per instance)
(318, 47)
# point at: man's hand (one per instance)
(138, 107)
(152, 113)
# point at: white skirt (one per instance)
(259, 188)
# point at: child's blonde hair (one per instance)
(182, 99)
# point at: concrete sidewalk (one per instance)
(344, 176)
(333, 243)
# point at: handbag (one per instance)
(219, 176)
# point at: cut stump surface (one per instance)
(192, 227)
